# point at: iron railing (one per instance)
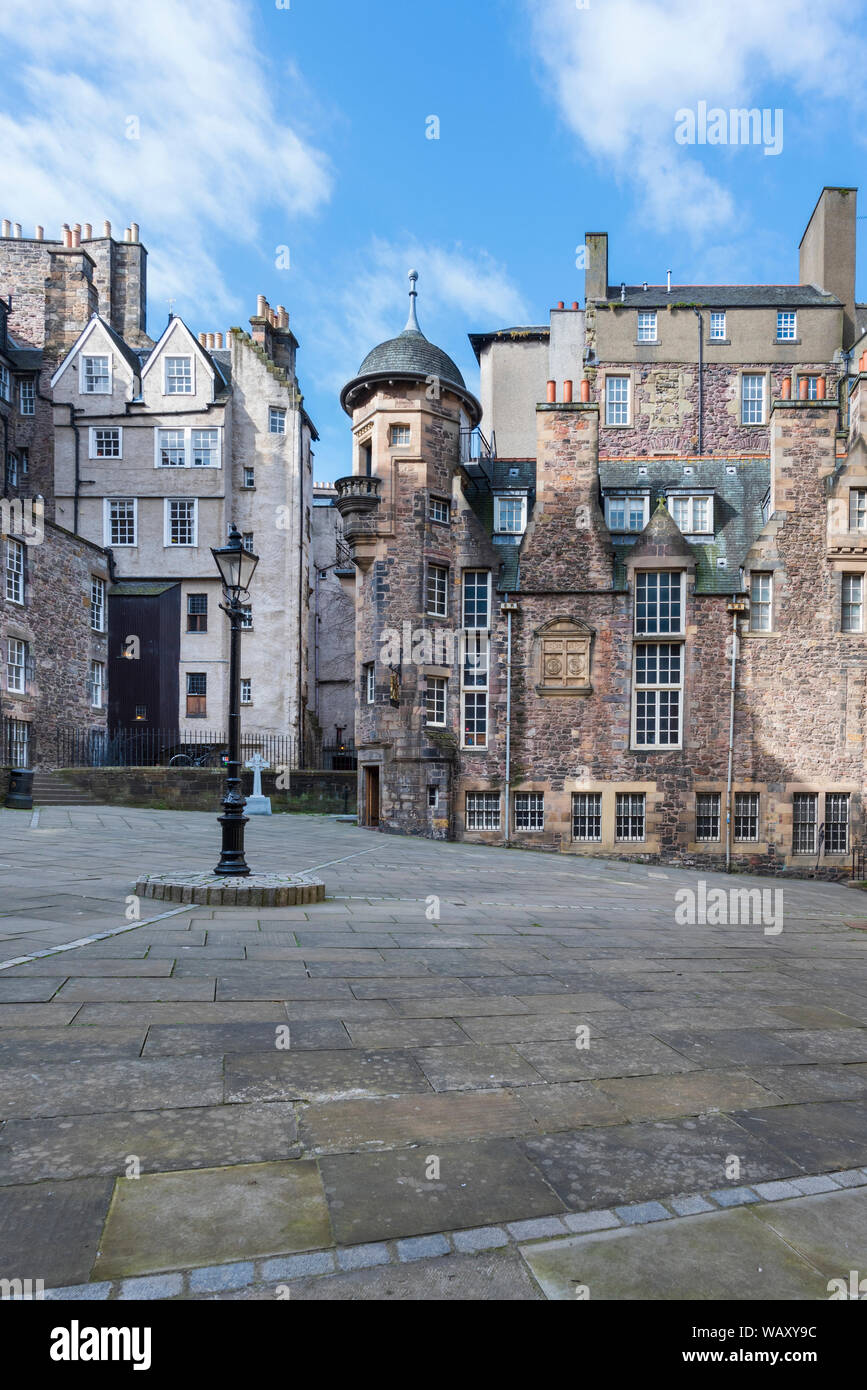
(475, 446)
(83, 747)
(859, 862)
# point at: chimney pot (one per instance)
(552, 392)
(106, 229)
(585, 390)
(127, 234)
(219, 337)
(567, 392)
(88, 231)
(803, 387)
(40, 233)
(76, 235)
(16, 229)
(820, 388)
(6, 227)
(203, 339)
(787, 388)
(261, 306)
(210, 342)
(560, 304)
(133, 231)
(574, 303)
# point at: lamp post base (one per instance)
(232, 859)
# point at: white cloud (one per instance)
(458, 289)
(214, 156)
(620, 69)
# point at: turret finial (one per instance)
(412, 321)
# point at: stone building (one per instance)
(148, 451)
(643, 636)
(332, 623)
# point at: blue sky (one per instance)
(305, 127)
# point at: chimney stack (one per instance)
(40, 233)
(6, 227)
(106, 229)
(596, 272)
(88, 232)
(826, 256)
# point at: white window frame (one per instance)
(486, 807)
(97, 603)
(5, 383)
(27, 396)
(530, 808)
(506, 502)
(761, 606)
(691, 529)
(186, 437)
(246, 617)
(749, 402)
(587, 814)
(15, 582)
(630, 808)
(471, 577)
(168, 503)
(787, 319)
(276, 412)
(106, 528)
(858, 509)
(18, 666)
(249, 475)
(402, 443)
(370, 682)
(852, 602)
(191, 447)
(436, 589)
(615, 404)
(94, 430)
(179, 357)
(246, 684)
(663, 596)
(715, 317)
(647, 326)
(82, 374)
(97, 684)
(11, 468)
(657, 698)
(627, 501)
(442, 505)
(436, 702)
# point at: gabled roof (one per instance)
(174, 326)
(116, 340)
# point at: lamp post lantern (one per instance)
(236, 566)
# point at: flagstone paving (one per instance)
(514, 1060)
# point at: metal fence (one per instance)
(859, 862)
(94, 747)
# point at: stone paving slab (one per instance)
(221, 1039)
(167, 1220)
(818, 1135)
(499, 1277)
(23, 1046)
(639, 1055)
(314, 1075)
(51, 1231)
(385, 1195)
(97, 1085)
(829, 1230)
(340, 1126)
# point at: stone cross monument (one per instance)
(257, 804)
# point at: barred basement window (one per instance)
(746, 815)
(586, 815)
(437, 591)
(435, 700)
(97, 603)
(761, 598)
(17, 749)
(530, 811)
(629, 814)
(439, 510)
(197, 612)
(707, 815)
(659, 601)
(837, 823)
(27, 396)
(197, 694)
(852, 595)
(105, 443)
(656, 695)
(483, 810)
(805, 807)
(14, 571)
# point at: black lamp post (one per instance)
(236, 566)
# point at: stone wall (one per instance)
(200, 789)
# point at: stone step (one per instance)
(50, 789)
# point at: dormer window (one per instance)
(693, 515)
(510, 515)
(787, 326)
(647, 327)
(627, 512)
(179, 376)
(400, 435)
(96, 376)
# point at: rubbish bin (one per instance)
(20, 794)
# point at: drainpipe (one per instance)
(508, 608)
(697, 313)
(735, 607)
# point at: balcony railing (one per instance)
(359, 492)
(475, 446)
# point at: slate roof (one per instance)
(126, 352)
(412, 353)
(726, 296)
(25, 359)
(738, 497)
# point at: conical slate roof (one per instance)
(412, 355)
